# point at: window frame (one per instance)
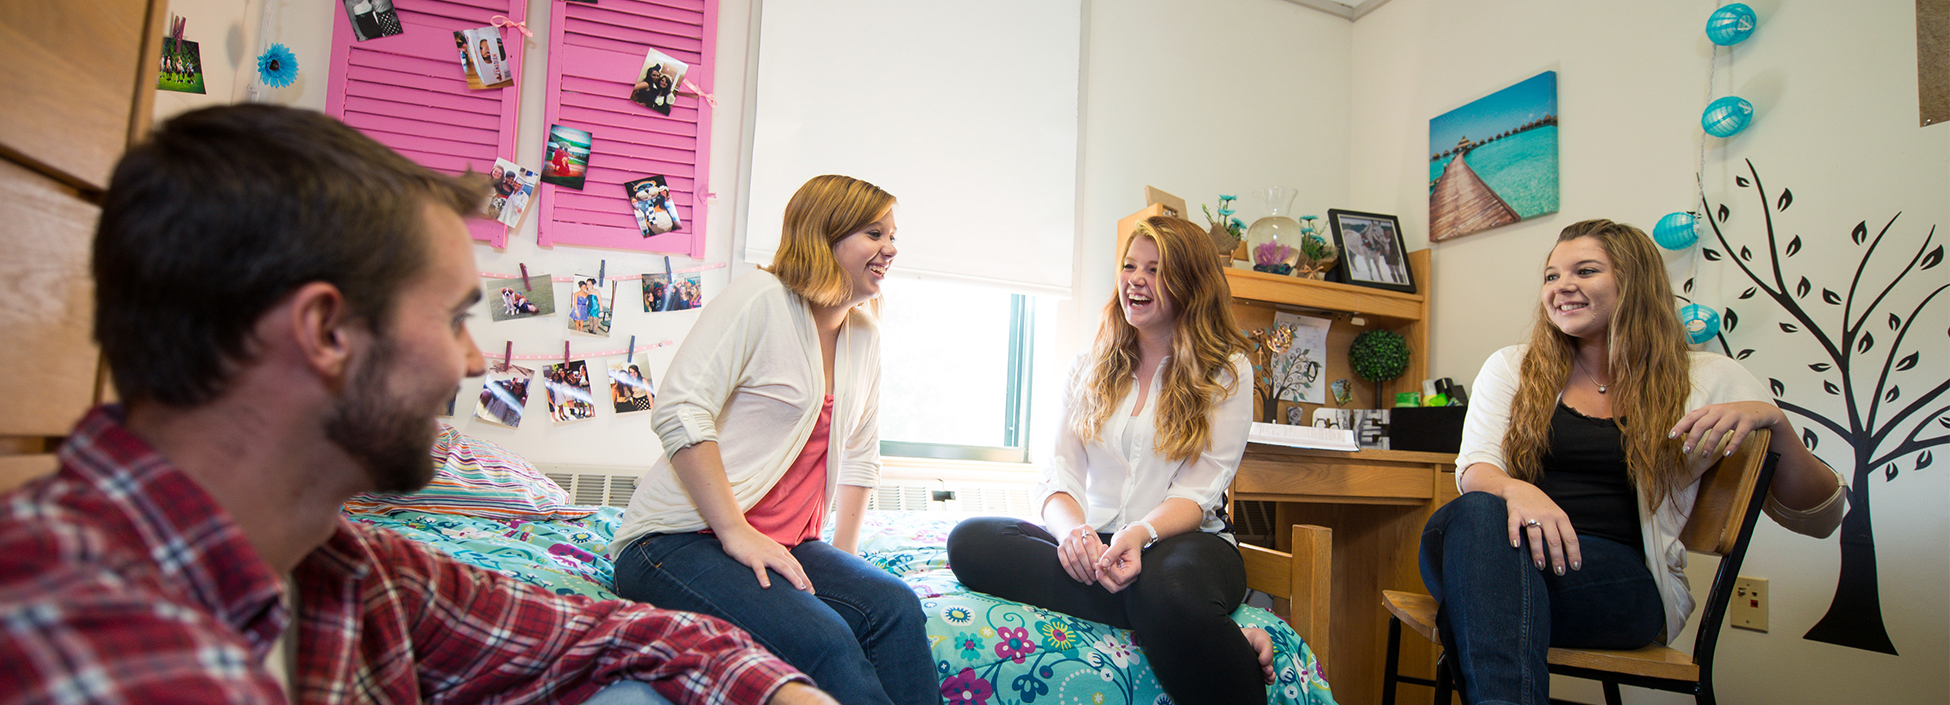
(1016, 404)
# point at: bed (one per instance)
(489, 508)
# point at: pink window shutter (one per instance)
(595, 55)
(406, 91)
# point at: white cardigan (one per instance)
(1118, 478)
(748, 375)
(1717, 379)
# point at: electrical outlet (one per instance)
(1749, 606)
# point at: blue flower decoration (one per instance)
(277, 67)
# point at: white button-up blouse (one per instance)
(1118, 478)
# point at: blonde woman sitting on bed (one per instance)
(1581, 456)
(1134, 531)
(769, 415)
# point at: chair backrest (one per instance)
(1729, 501)
(1725, 493)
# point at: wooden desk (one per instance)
(1376, 501)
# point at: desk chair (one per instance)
(1730, 497)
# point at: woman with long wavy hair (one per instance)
(1580, 459)
(1134, 532)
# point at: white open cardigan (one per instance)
(748, 375)
(1717, 379)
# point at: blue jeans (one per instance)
(861, 636)
(1500, 614)
(627, 693)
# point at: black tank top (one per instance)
(1584, 473)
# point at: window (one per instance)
(957, 369)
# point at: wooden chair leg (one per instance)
(1611, 694)
(1444, 683)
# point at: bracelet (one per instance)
(1148, 528)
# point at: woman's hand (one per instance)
(1124, 559)
(1079, 552)
(759, 551)
(1533, 516)
(1706, 426)
(1263, 647)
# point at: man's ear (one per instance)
(324, 330)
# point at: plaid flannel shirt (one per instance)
(121, 580)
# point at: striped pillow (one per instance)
(478, 478)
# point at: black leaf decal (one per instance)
(1794, 246)
(1743, 354)
(1789, 328)
(1894, 392)
(1740, 181)
(1894, 322)
(1749, 293)
(1860, 233)
(1889, 474)
(1934, 258)
(1868, 341)
(1907, 362)
(1687, 287)
(1801, 289)
(1746, 254)
(1711, 254)
(1830, 388)
(1831, 297)
(1779, 389)
(1819, 367)
(1724, 213)
(1924, 460)
(1945, 421)
(1730, 320)
(1787, 197)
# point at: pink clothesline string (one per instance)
(624, 277)
(583, 356)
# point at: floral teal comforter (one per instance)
(990, 651)
(567, 557)
(987, 651)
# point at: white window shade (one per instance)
(966, 112)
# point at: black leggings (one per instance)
(1180, 605)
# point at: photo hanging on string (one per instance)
(513, 298)
(568, 391)
(629, 386)
(591, 305)
(504, 394)
(660, 294)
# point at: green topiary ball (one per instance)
(1378, 355)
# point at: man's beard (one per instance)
(387, 437)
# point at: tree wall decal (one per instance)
(1882, 427)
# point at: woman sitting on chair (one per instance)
(1567, 532)
(1133, 501)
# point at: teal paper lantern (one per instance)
(1730, 25)
(1701, 323)
(1727, 116)
(1676, 231)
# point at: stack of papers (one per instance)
(1302, 437)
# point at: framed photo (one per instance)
(1372, 250)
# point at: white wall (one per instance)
(1835, 89)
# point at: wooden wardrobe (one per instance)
(78, 85)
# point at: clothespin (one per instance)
(602, 271)
(692, 87)
(508, 355)
(504, 22)
(524, 278)
(630, 353)
(611, 306)
(565, 353)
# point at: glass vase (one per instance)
(1274, 240)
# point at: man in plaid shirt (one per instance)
(283, 303)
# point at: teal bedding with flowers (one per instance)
(987, 651)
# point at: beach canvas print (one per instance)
(1493, 162)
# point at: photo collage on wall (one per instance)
(568, 391)
(650, 202)
(591, 308)
(514, 187)
(656, 83)
(182, 66)
(629, 386)
(513, 298)
(504, 394)
(660, 294)
(567, 156)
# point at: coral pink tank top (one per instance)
(794, 511)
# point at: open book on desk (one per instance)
(1302, 437)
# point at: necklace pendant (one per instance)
(1603, 387)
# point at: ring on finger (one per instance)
(1532, 523)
